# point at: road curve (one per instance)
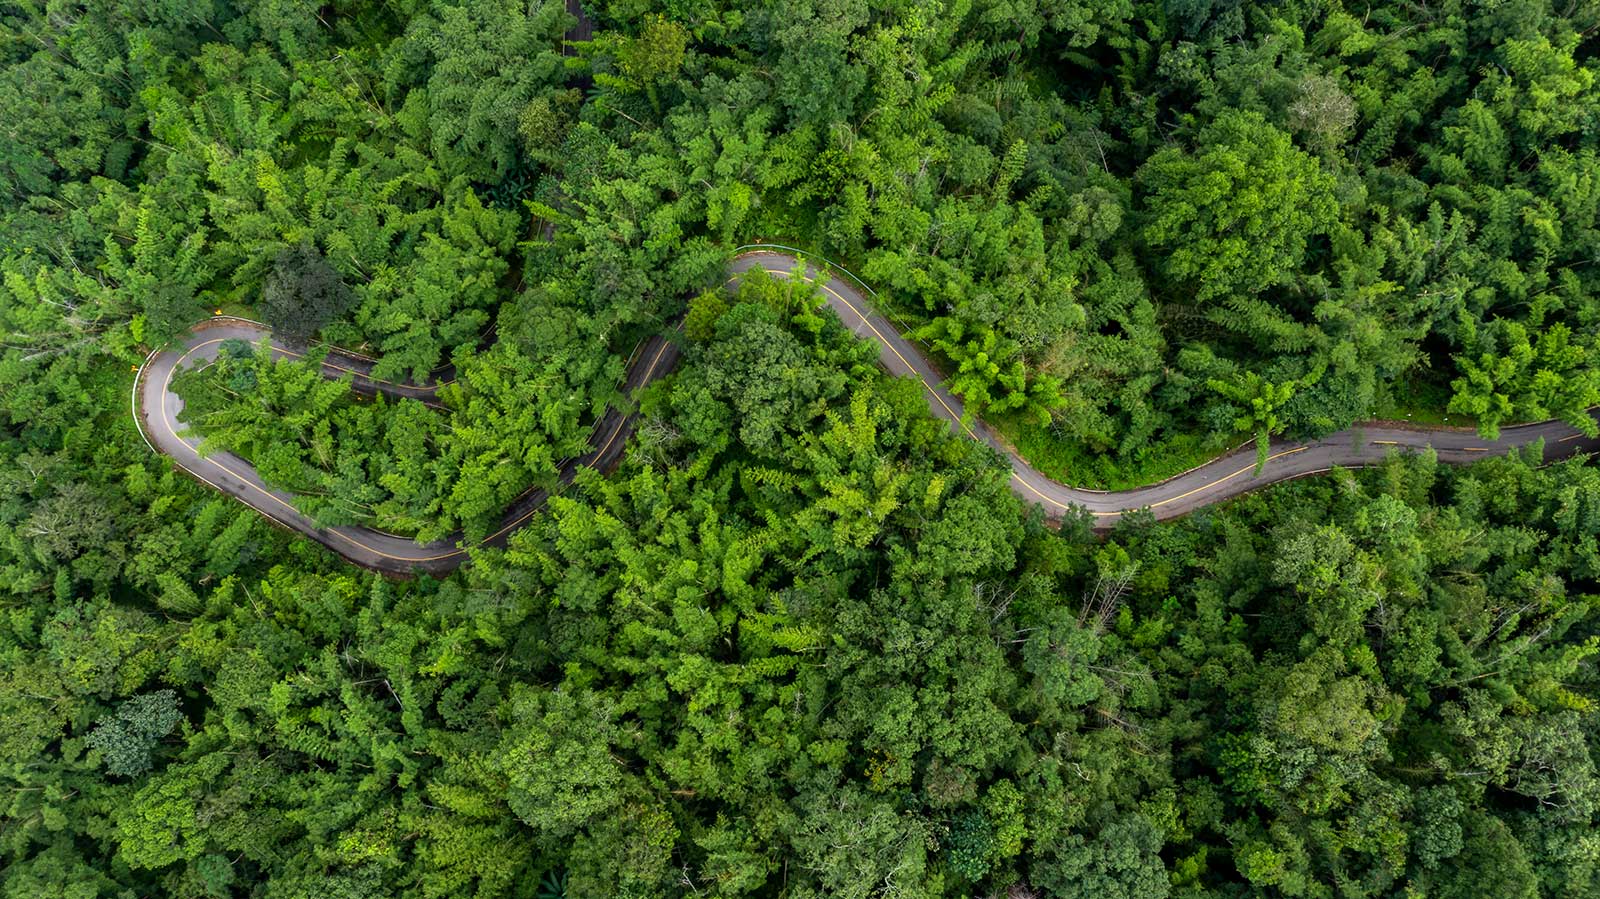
(1226, 476)
(157, 409)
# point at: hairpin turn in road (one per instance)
(157, 410)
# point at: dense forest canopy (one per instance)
(803, 642)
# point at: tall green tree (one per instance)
(1233, 217)
(303, 292)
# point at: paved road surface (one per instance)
(158, 408)
(1230, 475)
(1226, 476)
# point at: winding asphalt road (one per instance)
(1219, 479)
(157, 410)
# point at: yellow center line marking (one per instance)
(166, 388)
(1014, 475)
(616, 432)
(1058, 504)
(1203, 487)
(955, 416)
(396, 384)
(1229, 477)
(620, 425)
(166, 420)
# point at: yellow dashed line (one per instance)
(616, 432)
(1014, 476)
(166, 388)
(327, 364)
(1203, 487)
(620, 425)
(956, 417)
(166, 385)
(1250, 467)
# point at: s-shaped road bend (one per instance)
(157, 410)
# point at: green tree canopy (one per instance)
(1233, 216)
